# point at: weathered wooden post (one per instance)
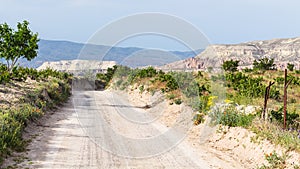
(267, 93)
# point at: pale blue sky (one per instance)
(222, 21)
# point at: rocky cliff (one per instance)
(282, 50)
(78, 66)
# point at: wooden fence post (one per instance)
(267, 93)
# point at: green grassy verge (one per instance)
(51, 89)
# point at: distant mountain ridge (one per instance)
(50, 51)
(283, 51)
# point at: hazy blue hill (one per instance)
(50, 50)
(57, 50)
(187, 54)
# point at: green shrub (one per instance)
(247, 70)
(231, 117)
(248, 86)
(279, 80)
(230, 65)
(178, 101)
(10, 134)
(274, 93)
(107, 77)
(264, 64)
(292, 119)
(274, 161)
(198, 118)
(147, 72)
(290, 66)
(5, 77)
(171, 83)
(141, 88)
(199, 104)
(26, 113)
(293, 100)
(171, 96)
(119, 82)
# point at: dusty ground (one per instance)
(85, 138)
(228, 144)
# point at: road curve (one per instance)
(100, 129)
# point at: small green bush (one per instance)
(178, 101)
(247, 70)
(274, 161)
(5, 77)
(198, 118)
(230, 65)
(231, 117)
(264, 64)
(290, 66)
(141, 88)
(171, 96)
(171, 83)
(291, 118)
(147, 72)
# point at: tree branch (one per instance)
(7, 63)
(14, 62)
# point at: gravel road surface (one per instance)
(101, 129)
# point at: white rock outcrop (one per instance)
(76, 66)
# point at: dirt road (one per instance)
(100, 129)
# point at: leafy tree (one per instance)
(290, 66)
(264, 64)
(230, 65)
(16, 44)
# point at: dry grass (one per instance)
(274, 133)
(11, 93)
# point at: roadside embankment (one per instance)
(24, 101)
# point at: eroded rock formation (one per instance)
(283, 51)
